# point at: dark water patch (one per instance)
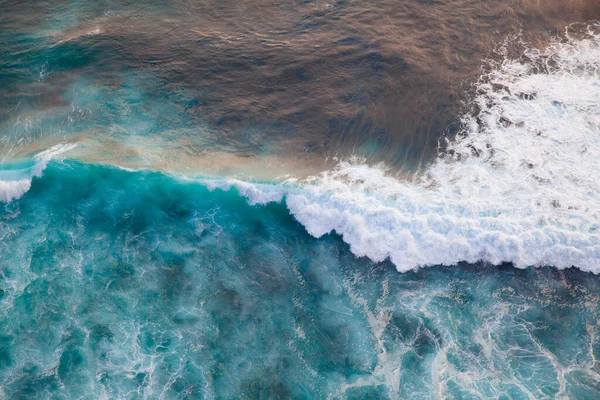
(254, 78)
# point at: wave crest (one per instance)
(14, 183)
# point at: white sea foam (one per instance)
(521, 184)
(256, 193)
(16, 182)
(11, 190)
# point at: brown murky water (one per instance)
(225, 85)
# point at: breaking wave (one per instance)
(15, 179)
(519, 184)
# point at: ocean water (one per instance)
(119, 284)
(304, 200)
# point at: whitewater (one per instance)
(14, 182)
(519, 184)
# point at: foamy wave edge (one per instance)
(520, 184)
(20, 182)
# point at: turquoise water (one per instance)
(119, 284)
(299, 200)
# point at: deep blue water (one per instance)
(122, 284)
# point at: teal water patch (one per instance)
(136, 285)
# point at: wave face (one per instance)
(520, 184)
(121, 284)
